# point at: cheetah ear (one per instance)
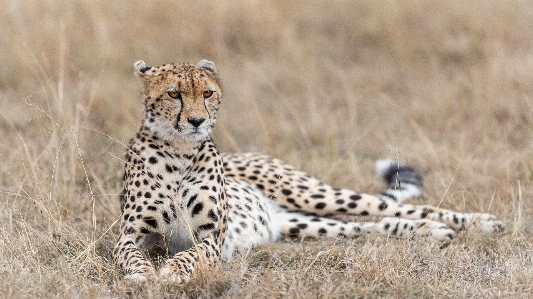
(208, 66)
(140, 68)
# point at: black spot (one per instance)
(352, 205)
(317, 196)
(320, 206)
(191, 200)
(212, 215)
(197, 208)
(151, 221)
(302, 225)
(382, 206)
(355, 197)
(322, 231)
(166, 217)
(207, 226)
(286, 192)
(364, 213)
(294, 231)
(168, 168)
(147, 194)
(152, 160)
(339, 201)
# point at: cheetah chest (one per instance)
(160, 201)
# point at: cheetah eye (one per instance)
(208, 94)
(174, 94)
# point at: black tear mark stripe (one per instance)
(178, 118)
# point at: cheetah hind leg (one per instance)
(297, 225)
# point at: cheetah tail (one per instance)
(404, 181)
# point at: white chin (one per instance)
(195, 135)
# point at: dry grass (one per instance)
(328, 86)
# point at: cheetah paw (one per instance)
(483, 222)
(136, 278)
(172, 275)
(432, 230)
(435, 231)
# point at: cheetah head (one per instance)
(181, 100)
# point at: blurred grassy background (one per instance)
(328, 86)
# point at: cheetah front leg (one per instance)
(129, 258)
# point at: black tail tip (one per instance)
(393, 172)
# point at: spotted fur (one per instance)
(185, 200)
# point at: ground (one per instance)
(327, 87)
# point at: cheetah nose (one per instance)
(196, 121)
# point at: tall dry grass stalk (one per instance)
(327, 86)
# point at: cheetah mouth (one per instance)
(195, 133)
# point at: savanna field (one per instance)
(327, 86)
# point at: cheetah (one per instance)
(184, 200)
